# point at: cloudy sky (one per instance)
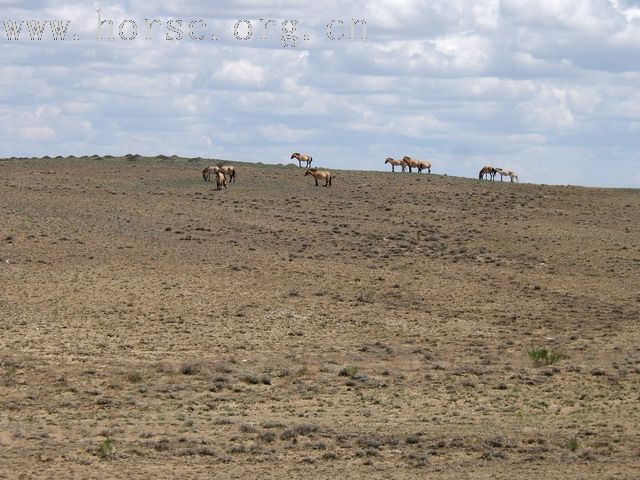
(549, 88)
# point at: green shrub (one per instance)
(542, 356)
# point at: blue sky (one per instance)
(548, 88)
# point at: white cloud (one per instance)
(37, 134)
(538, 85)
(241, 73)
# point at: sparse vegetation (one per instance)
(134, 377)
(189, 369)
(542, 356)
(9, 376)
(574, 444)
(132, 350)
(365, 296)
(348, 371)
(305, 429)
(106, 449)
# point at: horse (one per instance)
(320, 174)
(411, 163)
(487, 171)
(207, 172)
(221, 180)
(395, 163)
(302, 157)
(513, 175)
(424, 164)
(419, 164)
(229, 171)
(507, 173)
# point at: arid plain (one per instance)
(390, 326)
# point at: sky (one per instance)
(548, 88)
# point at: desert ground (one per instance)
(390, 326)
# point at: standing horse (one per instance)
(395, 163)
(229, 171)
(221, 180)
(302, 157)
(411, 163)
(320, 174)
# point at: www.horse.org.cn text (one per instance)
(287, 32)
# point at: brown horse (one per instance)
(221, 180)
(411, 163)
(302, 157)
(207, 172)
(487, 171)
(395, 163)
(424, 164)
(419, 164)
(320, 174)
(228, 171)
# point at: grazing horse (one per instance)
(507, 173)
(487, 171)
(513, 175)
(395, 163)
(229, 171)
(302, 157)
(207, 172)
(411, 163)
(320, 174)
(221, 180)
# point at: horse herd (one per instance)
(222, 172)
(410, 163)
(490, 173)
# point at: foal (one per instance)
(221, 180)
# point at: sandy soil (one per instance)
(153, 327)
